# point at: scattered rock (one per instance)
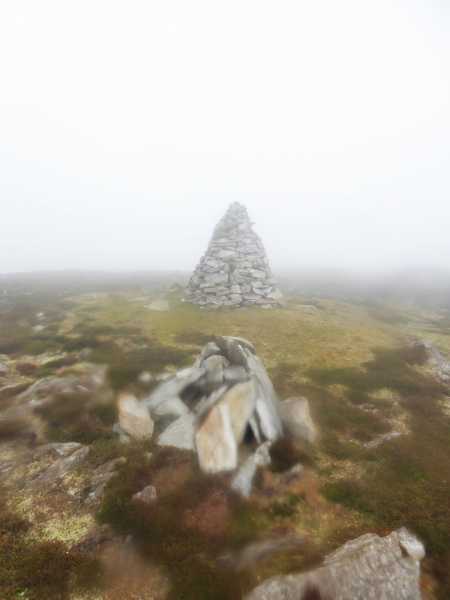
(134, 417)
(368, 568)
(147, 496)
(72, 455)
(243, 480)
(440, 364)
(100, 479)
(297, 419)
(235, 271)
(382, 439)
(219, 435)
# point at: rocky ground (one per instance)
(87, 513)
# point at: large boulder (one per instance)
(134, 418)
(368, 568)
(297, 420)
(180, 433)
(222, 430)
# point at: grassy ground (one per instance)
(351, 361)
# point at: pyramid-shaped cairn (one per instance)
(234, 271)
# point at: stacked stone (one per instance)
(234, 271)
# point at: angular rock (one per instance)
(297, 420)
(219, 435)
(368, 568)
(134, 418)
(179, 434)
(147, 496)
(243, 481)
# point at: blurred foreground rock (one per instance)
(226, 398)
(368, 568)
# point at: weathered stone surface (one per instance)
(368, 568)
(267, 403)
(134, 418)
(147, 496)
(218, 437)
(179, 434)
(297, 419)
(234, 261)
(215, 442)
(243, 480)
(168, 393)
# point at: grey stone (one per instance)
(297, 420)
(243, 480)
(222, 430)
(147, 496)
(134, 417)
(368, 568)
(179, 434)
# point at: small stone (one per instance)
(147, 496)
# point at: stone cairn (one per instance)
(235, 271)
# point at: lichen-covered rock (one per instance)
(235, 271)
(368, 568)
(134, 418)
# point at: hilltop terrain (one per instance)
(69, 527)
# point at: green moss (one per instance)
(39, 570)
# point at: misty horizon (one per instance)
(329, 123)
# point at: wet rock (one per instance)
(243, 480)
(167, 397)
(147, 496)
(368, 568)
(297, 419)
(134, 418)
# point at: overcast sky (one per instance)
(127, 127)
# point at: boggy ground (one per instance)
(352, 361)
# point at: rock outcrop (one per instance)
(368, 568)
(234, 271)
